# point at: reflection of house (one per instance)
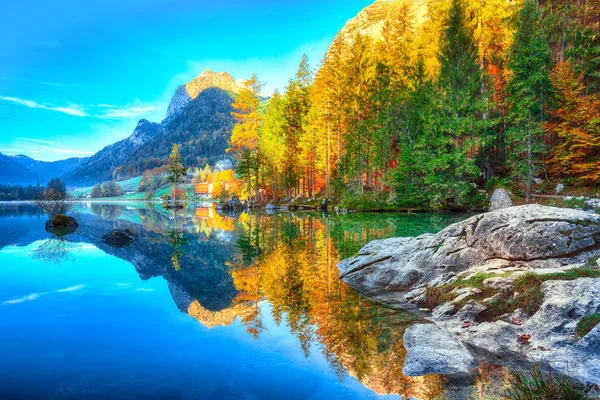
(204, 189)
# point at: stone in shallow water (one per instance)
(119, 238)
(433, 350)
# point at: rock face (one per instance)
(531, 235)
(433, 350)
(119, 238)
(500, 199)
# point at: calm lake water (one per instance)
(202, 306)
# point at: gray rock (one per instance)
(538, 181)
(270, 207)
(119, 238)
(565, 303)
(433, 350)
(499, 283)
(531, 235)
(442, 311)
(582, 360)
(559, 188)
(500, 199)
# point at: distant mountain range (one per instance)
(23, 170)
(198, 118)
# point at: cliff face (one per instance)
(372, 19)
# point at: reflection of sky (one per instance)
(92, 327)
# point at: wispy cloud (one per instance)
(35, 296)
(25, 145)
(101, 111)
(117, 112)
(71, 109)
(70, 289)
(29, 297)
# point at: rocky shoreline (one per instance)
(514, 285)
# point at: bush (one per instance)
(96, 191)
(370, 201)
(111, 189)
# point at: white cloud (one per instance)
(102, 111)
(72, 109)
(29, 297)
(70, 289)
(35, 296)
(126, 111)
(25, 145)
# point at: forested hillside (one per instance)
(421, 104)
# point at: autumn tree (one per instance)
(244, 142)
(574, 128)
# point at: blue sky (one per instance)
(76, 76)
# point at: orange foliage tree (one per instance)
(575, 128)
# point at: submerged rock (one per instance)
(500, 199)
(433, 350)
(531, 235)
(119, 238)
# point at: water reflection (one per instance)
(220, 268)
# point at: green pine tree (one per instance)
(527, 92)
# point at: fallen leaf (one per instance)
(524, 338)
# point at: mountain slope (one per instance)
(101, 165)
(46, 170)
(202, 128)
(13, 172)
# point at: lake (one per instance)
(202, 306)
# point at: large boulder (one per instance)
(433, 350)
(500, 199)
(119, 238)
(533, 236)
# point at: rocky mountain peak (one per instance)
(189, 91)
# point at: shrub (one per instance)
(111, 189)
(96, 191)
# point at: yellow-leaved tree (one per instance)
(245, 133)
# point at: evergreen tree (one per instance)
(176, 169)
(296, 106)
(527, 92)
(457, 125)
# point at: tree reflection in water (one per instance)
(291, 260)
(56, 250)
(177, 241)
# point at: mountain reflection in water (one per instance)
(222, 268)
